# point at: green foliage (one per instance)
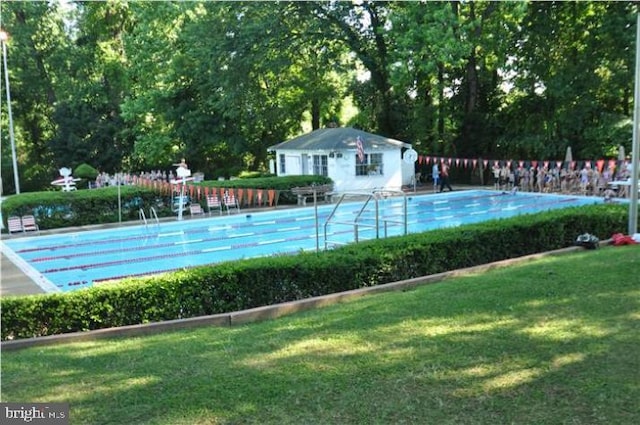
(257, 282)
(253, 174)
(86, 172)
(82, 207)
(137, 85)
(56, 209)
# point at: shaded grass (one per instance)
(554, 341)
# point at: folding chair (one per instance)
(213, 202)
(29, 224)
(15, 225)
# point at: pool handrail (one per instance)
(152, 214)
(374, 194)
(142, 217)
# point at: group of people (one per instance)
(587, 181)
(105, 179)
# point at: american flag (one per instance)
(359, 149)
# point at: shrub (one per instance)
(257, 282)
(85, 171)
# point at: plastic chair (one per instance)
(29, 224)
(213, 202)
(230, 201)
(15, 225)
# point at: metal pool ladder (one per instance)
(152, 215)
(376, 195)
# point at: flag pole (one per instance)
(633, 203)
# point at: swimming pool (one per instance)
(65, 262)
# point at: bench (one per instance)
(304, 193)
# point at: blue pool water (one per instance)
(65, 262)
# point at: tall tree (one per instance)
(90, 127)
(35, 55)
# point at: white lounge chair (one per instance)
(213, 202)
(14, 224)
(29, 224)
(230, 201)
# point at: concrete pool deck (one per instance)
(13, 281)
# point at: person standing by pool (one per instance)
(444, 177)
(435, 175)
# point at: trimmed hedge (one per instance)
(282, 185)
(257, 282)
(57, 209)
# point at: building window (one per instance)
(283, 167)
(371, 166)
(320, 167)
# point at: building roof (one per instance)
(341, 138)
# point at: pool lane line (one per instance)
(200, 229)
(156, 272)
(459, 199)
(171, 255)
(492, 210)
(158, 245)
(150, 247)
(196, 230)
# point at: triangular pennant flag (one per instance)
(240, 192)
(272, 194)
(250, 197)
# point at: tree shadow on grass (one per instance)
(483, 349)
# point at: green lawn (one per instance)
(554, 341)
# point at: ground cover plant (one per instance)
(551, 341)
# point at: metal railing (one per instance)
(376, 195)
(152, 215)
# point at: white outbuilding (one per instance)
(352, 158)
